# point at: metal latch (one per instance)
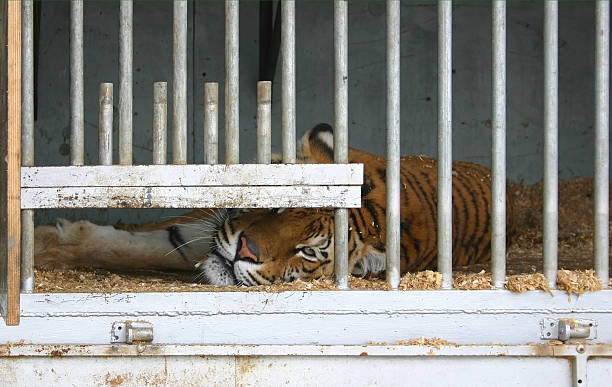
(568, 328)
(131, 331)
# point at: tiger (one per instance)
(267, 246)
(250, 247)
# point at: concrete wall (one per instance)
(314, 29)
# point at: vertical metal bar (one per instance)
(27, 140)
(288, 79)
(211, 122)
(341, 134)
(77, 120)
(498, 157)
(393, 144)
(105, 124)
(445, 212)
(125, 81)
(551, 175)
(602, 140)
(179, 85)
(264, 122)
(160, 122)
(232, 118)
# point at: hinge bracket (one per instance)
(131, 331)
(564, 329)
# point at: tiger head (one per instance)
(266, 246)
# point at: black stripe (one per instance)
(473, 243)
(369, 205)
(432, 202)
(264, 277)
(177, 241)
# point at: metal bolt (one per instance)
(580, 348)
(140, 348)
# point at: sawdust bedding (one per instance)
(524, 262)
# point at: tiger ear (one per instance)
(317, 145)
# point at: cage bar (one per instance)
(125, 81)
(232, 118)
(341, 135)
(27, 140)
(211, 122)
(264, 122)
(105, 124)
(179, 85)
(288, 80)
(392, 247)
(160, 122)
(77, 112)
(445, 214)
(602, 141)
(551, 142)
(498, 157)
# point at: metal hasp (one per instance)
(568, 328)
(131, 331)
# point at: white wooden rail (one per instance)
(192, 186)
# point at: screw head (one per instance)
(580, 348)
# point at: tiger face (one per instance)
(264, 246)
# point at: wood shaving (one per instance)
(527, 282)
(423, 280)
(472, 281)
(428, 342)
(368, 283)
(577, 281)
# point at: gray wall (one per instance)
(314, 29)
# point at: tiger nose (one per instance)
(248, 249)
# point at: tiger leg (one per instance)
(173, 245)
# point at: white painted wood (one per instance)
(191, 197)
(284, 371)
(327, 318)
(117, 371)
(192, 175)
(379, 350)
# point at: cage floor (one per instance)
(575, 253)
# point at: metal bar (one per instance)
(232, 117)
(551, 142)
(125, 81)
(211, 122)
(445, 213)
(27, 139)
(393, 144)
(105, 124)
(498, 152)
(160, 122)
(77, 115)
(179, 91)
(288, 79)
(264, 122)
(341, 134)
(602, 140)
(27, 82)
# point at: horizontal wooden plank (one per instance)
(191, 197)
(192, 175)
